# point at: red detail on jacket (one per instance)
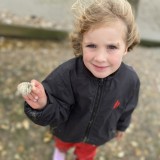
(116, 105)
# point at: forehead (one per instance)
(116, 29)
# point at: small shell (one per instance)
(24, 88)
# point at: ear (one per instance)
(125, 52)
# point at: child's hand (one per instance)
(37, 98)
(119, 135)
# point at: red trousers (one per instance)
(83, 151)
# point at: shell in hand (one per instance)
(24, 88)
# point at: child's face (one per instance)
(103, 49)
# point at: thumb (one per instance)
(35, 83)
(38, 88)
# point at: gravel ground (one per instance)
(22, 60)
(22, 140)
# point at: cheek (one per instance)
(87, 56)
(116, 60)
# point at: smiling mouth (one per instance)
(100, 67)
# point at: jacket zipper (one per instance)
(95, 108)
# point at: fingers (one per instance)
(31, 97)
(37, 98)
(35, 83)
(34, 95)
(37, 87)
(119, 135)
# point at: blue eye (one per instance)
(91, 46)
(111, 47)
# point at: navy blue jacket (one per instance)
(84, 108)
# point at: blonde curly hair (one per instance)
(95, 13)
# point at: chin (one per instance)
(101, 75)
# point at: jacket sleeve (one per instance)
(125, 118)
(60, 100)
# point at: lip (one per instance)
(100, 67)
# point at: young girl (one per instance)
(89, 99)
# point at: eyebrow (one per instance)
(89, 43)
(115, 44)
(108, 44)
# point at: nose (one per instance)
(101, 56)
